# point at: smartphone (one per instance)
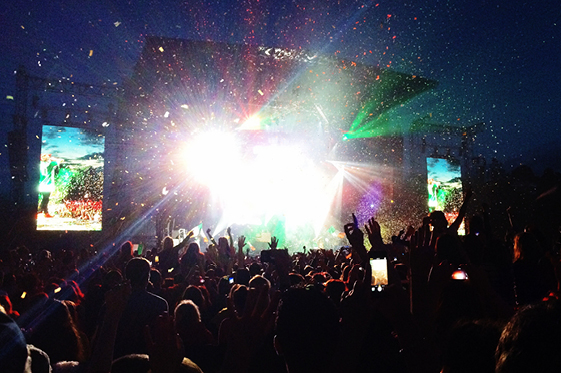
(379, 265)
(459, 274)
(231, 279)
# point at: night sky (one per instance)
(497, 62)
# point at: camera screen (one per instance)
(379, 272)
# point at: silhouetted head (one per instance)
(438, 220)
(167, 243)
(242, 276)
(186, 316)
(307, 329)
(13, 348)
(193, 248)
(194, 293)
(126, 249)
(138, 272)
(471, 348)
(259, 282)
(155, 278)
(531, 341)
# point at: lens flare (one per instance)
(264, 185)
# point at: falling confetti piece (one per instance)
(117, 24)
(91, 52)
(161, 49)
(8, 97)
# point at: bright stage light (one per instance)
(210, 157)
(257, 184)
(253, 123)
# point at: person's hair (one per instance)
(140, 363)
(471, 347)
(526, 247)
(126, 248)
(192, 255)
(167, 243)
(258, 282)
(137, 271)
(112, 278)
(438, 219)
(195, 294)
(296, 279)
(155, 277)
(134, 363)
(255, 269)
(238, 293)
(57, 334)
(186, 315)
(531, 341)
(193, 248)
(242, 276)
(334, 290)
(307, 328)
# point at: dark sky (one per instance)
(496, 61)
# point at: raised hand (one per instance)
(356, 239)
(231, 240)
(421, 251)
(373, 231)
(164, 350)
(241, 243)
(274, 243)
(102, 353)
(248, 331)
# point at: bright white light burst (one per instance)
(255, 183)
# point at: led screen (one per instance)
(444, 186)
(70, 184)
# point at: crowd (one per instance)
(473, 303)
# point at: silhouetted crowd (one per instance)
(479, 302)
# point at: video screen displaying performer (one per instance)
(444, 184)
(70, 186)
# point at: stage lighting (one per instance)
(253, 123)
(212, 156)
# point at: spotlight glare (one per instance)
(253, 123)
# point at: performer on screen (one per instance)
(49, 167)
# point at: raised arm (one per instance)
(462, 213)
(210, 237)
(102, 353)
